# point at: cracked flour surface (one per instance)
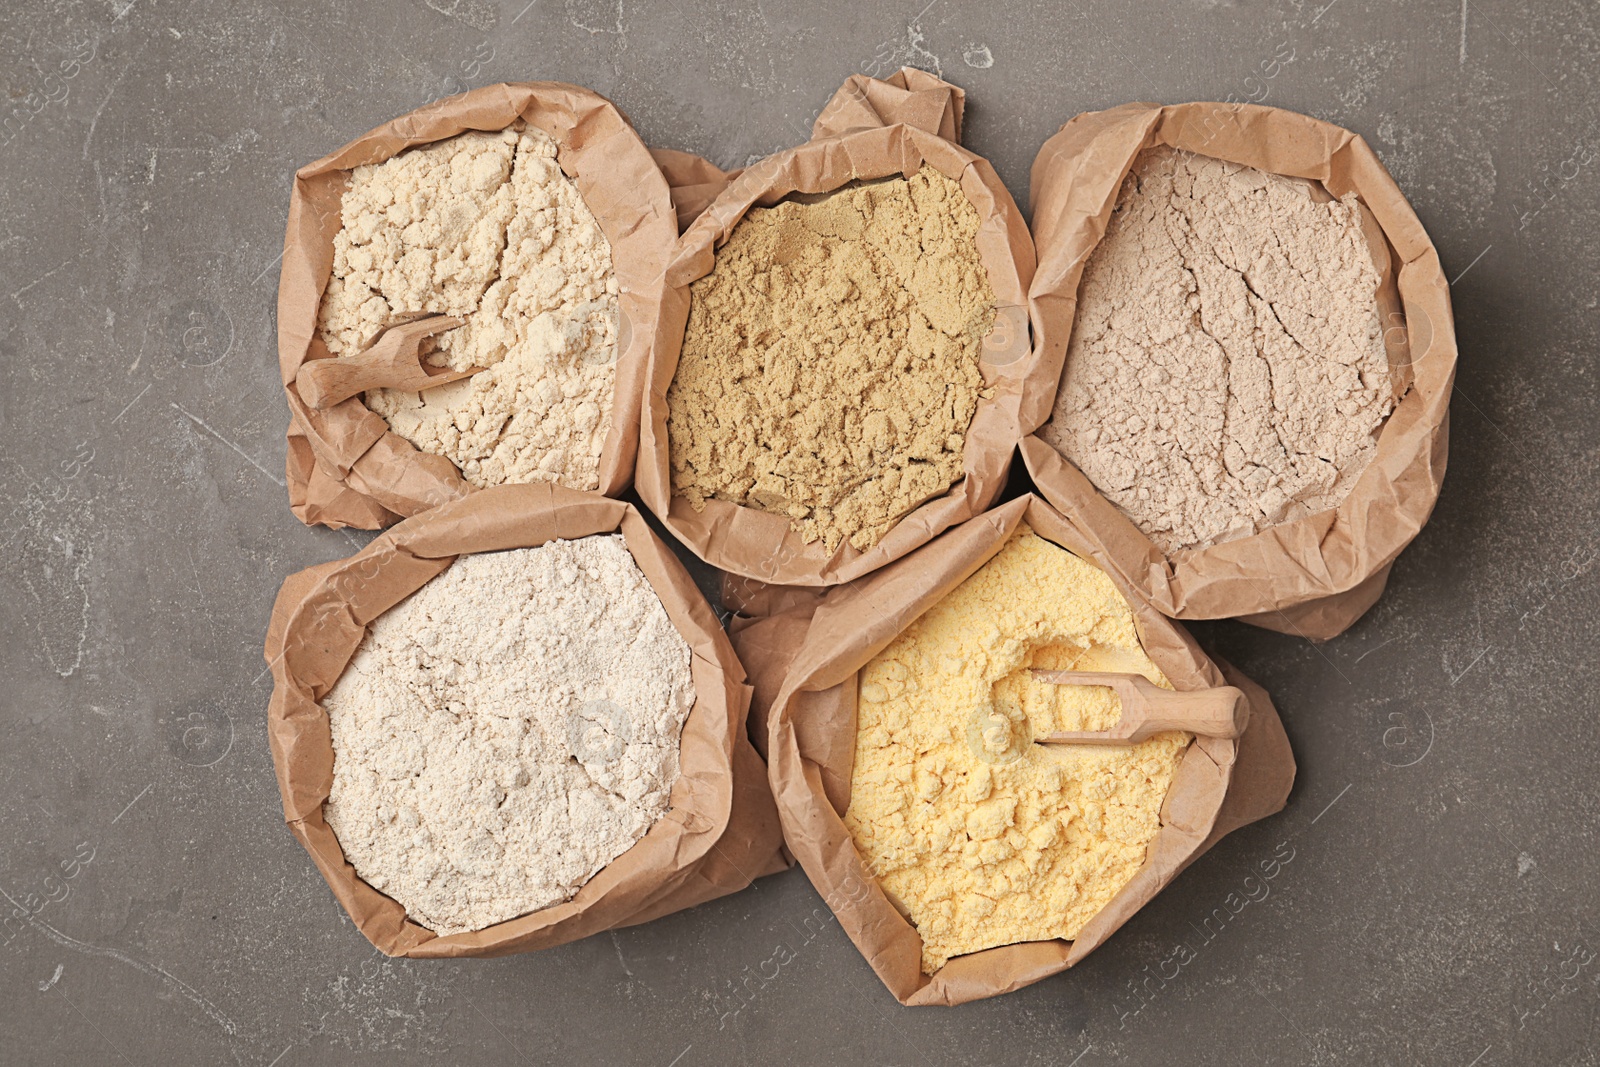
(485, 226)
(507, 731)
(1227, 369)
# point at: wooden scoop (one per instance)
(391, 363)
(1148, 709)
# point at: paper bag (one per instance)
(871, 129)
(721, 831)
(1316, 575)
(345, 466)
(804, 663)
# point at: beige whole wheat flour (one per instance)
(1227, 369)
(829, 368)
(485, 226)
(507, 731)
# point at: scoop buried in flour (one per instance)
(393, 361)
(1148, 709)
(486, 228)
(507, 731)
(979, 835)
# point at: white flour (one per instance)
(507, 731)
(1227, 370)
(486, 227)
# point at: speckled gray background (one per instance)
(1439, 907)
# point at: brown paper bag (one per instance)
(345, 467)
(871, 129)
(722, 830)
(1316, 575)
(804, 664)
(693, 181)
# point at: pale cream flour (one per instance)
(1227, 369)
(486, 227)
(507, 731)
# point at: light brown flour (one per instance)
(507, 731)
(830, 363)
(486, 227)
(1227, 369)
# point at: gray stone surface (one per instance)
(1439, 908)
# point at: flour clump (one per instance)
(507, 731)
(1227, 369)
(486, 227)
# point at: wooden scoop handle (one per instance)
(1148, 709)
(391, 363)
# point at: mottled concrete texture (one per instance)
(1439, 908)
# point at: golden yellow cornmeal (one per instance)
(978, 836)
